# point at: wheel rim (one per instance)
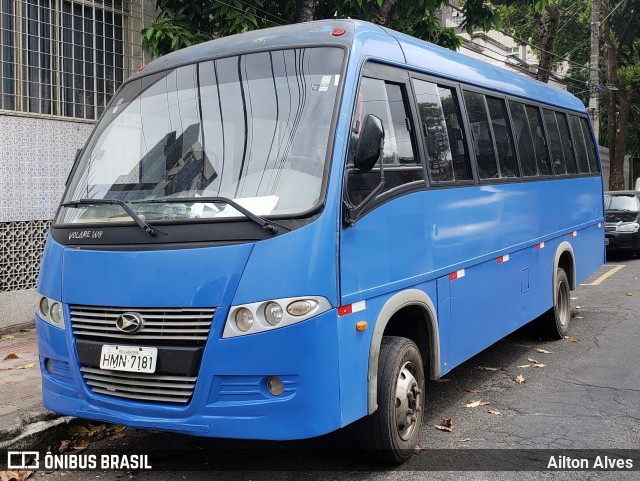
(407, 402)
(563, 304)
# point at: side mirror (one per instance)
(368, 151)
(370, 143)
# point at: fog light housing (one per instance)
(244, 319)
(48, 365)
(275, 386)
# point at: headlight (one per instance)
(264, 316)
(273, 313)
(244, 319)
(51, 312)
(631, 227)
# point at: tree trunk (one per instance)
(386, 13)
(547, 24)
(614, 120)
(305, 10)
(616, 174)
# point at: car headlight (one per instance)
(51, 312)
(631, 227)
(267, 315)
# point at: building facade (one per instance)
(60, 63)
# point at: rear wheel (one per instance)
(391, 433)
(556, 320)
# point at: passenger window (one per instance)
(530, 139)
(441, 128)
(388, 102)
(591, 154)
(491, 136)
(562, 158)
(580, 144)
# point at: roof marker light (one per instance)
(142, 68)
(338, 32)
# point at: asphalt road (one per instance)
(587, 396)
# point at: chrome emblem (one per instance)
(129, 322)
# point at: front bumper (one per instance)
(622, 241)
(230, 399)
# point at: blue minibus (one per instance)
(277, 234)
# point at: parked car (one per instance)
(622, 221)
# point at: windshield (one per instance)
(621, 202)
(252, 128)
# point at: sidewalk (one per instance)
(23, 419)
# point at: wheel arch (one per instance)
(566, 259)
(407, 299)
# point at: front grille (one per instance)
(142, 386)
(169, 326)
(166, 328)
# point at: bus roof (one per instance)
(418, 54)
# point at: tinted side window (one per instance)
(491, 136)
(539, 140)
(561, 152)
(591, 154)
(442, 130)
(580, 144)
(524, 139)
(388, 102)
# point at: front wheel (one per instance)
(391, 433)
(556, 320)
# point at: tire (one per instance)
(391, 433)
(556, 320)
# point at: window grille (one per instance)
(66, 58)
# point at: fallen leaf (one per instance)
(26, 366)
(543, 351)
(80, 444)
(565, 337)
(8, 337)
(575, 341)
(5, 368)
(524, 366)
(630, 294)
(465, 440)
(577, 307)
(486, 368)
(97, 429)
(497, 413)
(578, 317)
(447, 422)
(418, 448)
(519, 379)
(443, 428)
(475, 404)
(573, 298)
(443, 380)
(119, 429)
(15, 475)
(474, 391)
(63, 446)
(539, 365)
(77, 430)
(11, 356)
(532, 360)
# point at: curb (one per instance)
(37, 436)
(17, 327)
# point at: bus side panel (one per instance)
(588, 247)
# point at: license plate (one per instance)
(129, 358)
(606, 241)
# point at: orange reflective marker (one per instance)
(361, 326)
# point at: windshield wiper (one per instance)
(264, 223)
(148, 228)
